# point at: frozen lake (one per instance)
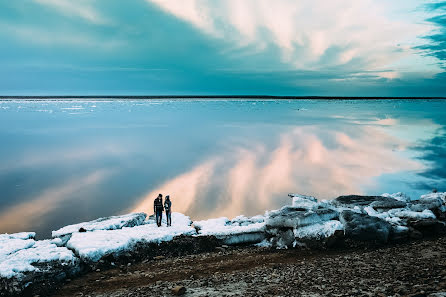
(67, 161)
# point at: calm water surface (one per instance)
(63, 162)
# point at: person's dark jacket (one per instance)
(167, 205)
(158, 205)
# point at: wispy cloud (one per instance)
(311, 35)
(42, 36)
(80, 8)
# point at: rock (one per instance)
(178, 290)
(399, 233)
(415, 234)
(428, 227)
(220, 249)
(82, 229)
(225, 246)
(283, 238)
(351, 201)
(159, 258)
(363, 227)
(387, 204)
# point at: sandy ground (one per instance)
(410, 269)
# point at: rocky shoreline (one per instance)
(347, 223)
(415, 268)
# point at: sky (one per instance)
(231, 47)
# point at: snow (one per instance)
(222, 227)
(264, 243)
(398, 196)
(319, 230)
(92, 246)
(303, 201)
(394, 216)
(293, 217)
(18, 255)
(441, 195)
(240, 230)
(108, 223)
(409, 214)
(10, 243)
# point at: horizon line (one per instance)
(286, 97)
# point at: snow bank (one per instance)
(94, 245)
(294, 217)
(318, 231)
(238, 231)
(303, 201)
(108, 223)
(11, 243)
(398, 196)
(409, 214)
(21, 254)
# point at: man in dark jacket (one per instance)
(168, 208)
(158, 209)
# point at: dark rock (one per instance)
(415, 234)
(159, 258)
(359, 200)
(387, 204)
(363, 227)
(81, 229)
(399, 233)
(428, 227)
(178, 290)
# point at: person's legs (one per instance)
(158, 218)
(169, 218)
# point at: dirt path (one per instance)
(400, 270)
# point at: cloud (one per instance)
(436, 40)
(25, 215)
(55, 37)
(311, 35)
(79, 8)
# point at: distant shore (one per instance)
(212, 97)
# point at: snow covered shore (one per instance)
(307, 222)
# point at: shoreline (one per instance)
(348, 223)
(404, 269)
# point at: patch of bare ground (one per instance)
(410, 269)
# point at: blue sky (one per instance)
(149, 47)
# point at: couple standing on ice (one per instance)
(158, 209)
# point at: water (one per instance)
(63, 162)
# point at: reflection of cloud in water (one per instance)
(306, 160)
(187, 186)
(25, 215)
(83, 153)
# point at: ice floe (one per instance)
(94, 245)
